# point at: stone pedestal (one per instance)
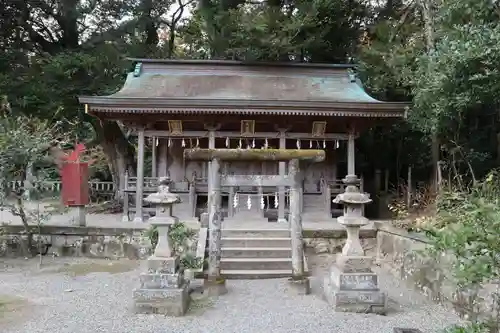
(214, 287)
(78, 216)
(300, 286)
(351, 285)
(163, 289)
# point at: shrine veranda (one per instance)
(175, 105)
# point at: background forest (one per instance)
(442, 55)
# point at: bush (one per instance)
(180, 238)
(467, 228)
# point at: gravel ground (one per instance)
(102, 302)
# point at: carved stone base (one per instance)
(163, 265)
(214, 287)
(351, 286)
(166, 301)
(300, 286)
(161, 281)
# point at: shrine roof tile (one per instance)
(157, 85)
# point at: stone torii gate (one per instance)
(294, 157)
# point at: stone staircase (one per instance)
(256, 253)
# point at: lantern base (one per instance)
(351, 286)
(166, 301)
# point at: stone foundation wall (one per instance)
(335, 245)
(401, 253)
(112, 243)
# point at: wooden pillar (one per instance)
(386, 181)
(378, 181)
(125, 198)
(281, 189)
(153, 157)
(192, 195)
(215, 221)
(230, 208)
(351, 161)
(261, 196)
(328, 199)
(211, 145)
(162, 169)
(139, 187)
(296, 220)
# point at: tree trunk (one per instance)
(426, 7)
(119, 151)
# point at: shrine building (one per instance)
(172, 105)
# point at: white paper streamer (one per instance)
(298, 144)
(266, 144)
(227, 142)
(324, 144)
(262, 203)
(183, 143)
(249, 202)
(276, 202)
(197, 142)
(169, 142)
(235, 200)
(253, 143)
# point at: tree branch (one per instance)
(110, 34)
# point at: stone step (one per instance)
(247, 220)
(256, 252)
(256, 263)
(259, 233)
(314, 215)
(256, 242)
(255, 274)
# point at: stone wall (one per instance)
(332, 240)
(401, 253)
(112, 243)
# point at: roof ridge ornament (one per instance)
(353, 77)
(137, 69)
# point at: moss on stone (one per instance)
(254, 154)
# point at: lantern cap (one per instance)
(163, 196)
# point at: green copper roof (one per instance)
(244, 83)
(169, 86)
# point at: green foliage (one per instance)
(467, 225)
(180, 237)
(470, 328)
(24, 141)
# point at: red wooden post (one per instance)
(75, 183)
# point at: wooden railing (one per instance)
(55, 186)
(98, 190)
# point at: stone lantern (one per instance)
(351, 285)
(163, 288)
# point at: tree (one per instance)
(456, 89)
(25, 143)
(73, 48)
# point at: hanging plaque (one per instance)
(175, 127)
(318, 128)
(247, 127)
